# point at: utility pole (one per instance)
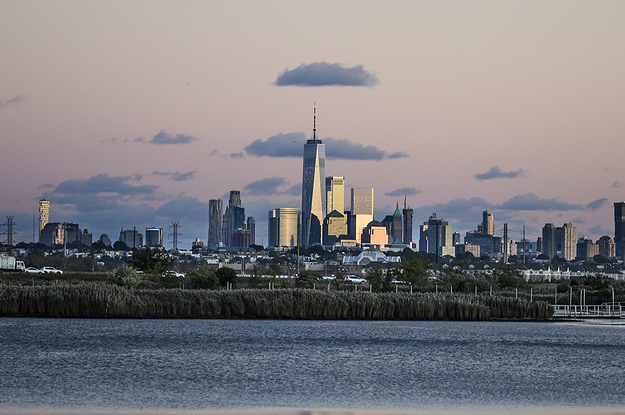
(524, 244)
(505, 243)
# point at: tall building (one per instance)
(44, 215)
(549, 246)
(251, 226)
(131, 238)
(335, 194)
(619, 228)
(393, 224)
(283, 227)
(407, 223)
(607, 247)
(362, 210)
(566, 242)
(440, 237)
(313, 191)
(234, 218)
(488, 223)
(334, 227)
(153, 237)
(423, 237)
(215, 218)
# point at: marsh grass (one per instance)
(100, 300)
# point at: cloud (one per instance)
(268, 186)
(596, 204)
(16, 100)
(296, 190)
(177, 176)
(407, 191)
(280, 145)
(530, 201)
(327, 74)
(497, 173)
(292, 145)
(615, 185)
(164, 138)
(102, 183)
(238, 155)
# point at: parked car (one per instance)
(174, 274)
(355, 279)
(50, 270)
(32, 270)
(396, 281)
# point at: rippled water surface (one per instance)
(387, 366)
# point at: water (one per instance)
(208, 365)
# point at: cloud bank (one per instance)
(497, 173)
(292, 144)
(327, 74)
(16, 100)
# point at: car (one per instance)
(50, 270)
(329, 277)
(32, 270)
(396, 281)
(355, 279)
(174, 274)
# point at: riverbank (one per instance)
(99, 300)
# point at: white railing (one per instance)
(606, 310)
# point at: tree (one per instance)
(120, 246)
(415, 271)
(203, 278)
(152, 260)
(226, 275)
(509, 277)
(374, 278)
(125, 276)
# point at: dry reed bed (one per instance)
(99, 300)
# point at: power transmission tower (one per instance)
(174, 227)
(9, 232)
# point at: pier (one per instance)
(606, 310)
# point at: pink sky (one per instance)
(533, 88)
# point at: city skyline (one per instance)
(125, 119)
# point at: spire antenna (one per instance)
(315, 121)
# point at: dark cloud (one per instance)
(16, 100)
(295, 190)
(404, 191)
(497, 173)
(292, 145)
(281, 145)
(530, 201)
(109, 141)
(177, 176)
(47, 186)
(596, 204)
(615, 185)
(183, 208)
(397, 155)
(327, 74)
(102, 183)
(267, 186)
(238, 155)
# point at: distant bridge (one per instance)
(605, 310)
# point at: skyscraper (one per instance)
(619, 228)
(44, 215)
(283, 227)
(313, 189)
(488, 223)
(566, 242)
(251, 226)
(215, 213)
(335, 194)
(153, 236)
(440, 240)
(407, 231)
(234, 218)
(549, 240)
(362, 210)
